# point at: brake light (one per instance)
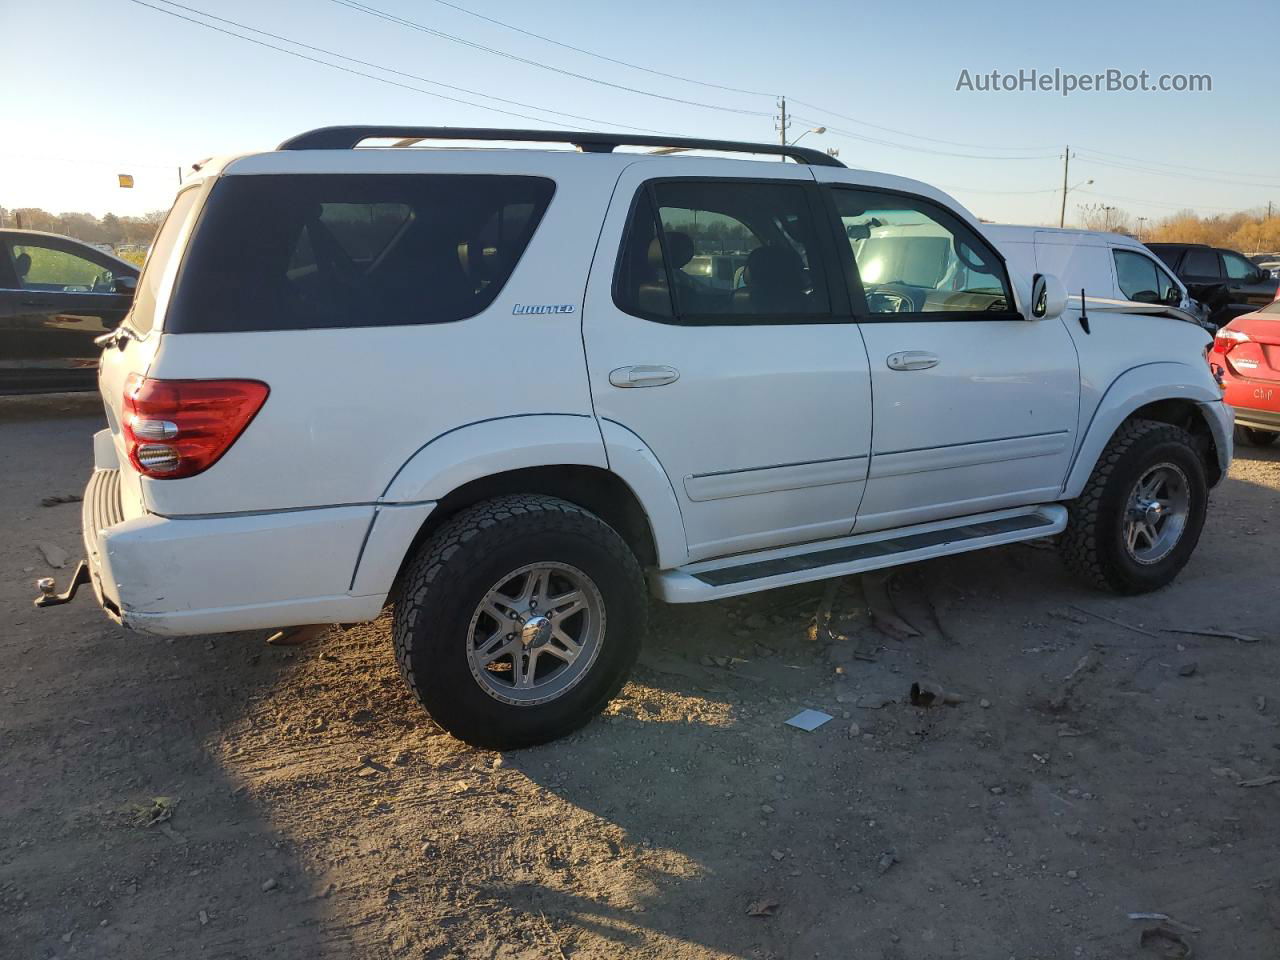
(178, 428)
(1225, 340)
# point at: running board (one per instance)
(766, 569)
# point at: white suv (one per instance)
(500, 389)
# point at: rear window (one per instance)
(298, 252)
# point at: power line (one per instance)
(914, 149)
(599, 56)
(366, 63)
(1157, 203)
(1176, 166)
(1182, 176)
(413, 25)
(914, 136)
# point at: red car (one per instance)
(1246, 358)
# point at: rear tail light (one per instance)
(1224, 341)
(178, 428)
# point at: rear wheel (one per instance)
(1256, 438)
(518, 620)
(1139, 518)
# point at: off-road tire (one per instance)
(451, 573)
(1255, 438)
(1093, 547)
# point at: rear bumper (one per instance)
(193, 575)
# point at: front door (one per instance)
(60, 300)
(716, 334)
(975, 406)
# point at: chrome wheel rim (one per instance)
(536, 633)
(1156, 514)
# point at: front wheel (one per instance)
(1139, 518)
(518, 620)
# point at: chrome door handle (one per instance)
(644, 375)
(911, 360)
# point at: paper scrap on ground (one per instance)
(809, 720)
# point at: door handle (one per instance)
(36, 302)
(911, 360)
(644, 375)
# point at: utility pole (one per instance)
(1141, 221)
(783, 124)
(179, 175)
(1066, 161)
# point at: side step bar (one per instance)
(766, 569)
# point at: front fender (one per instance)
(1134, 389)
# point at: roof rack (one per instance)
(347, 138)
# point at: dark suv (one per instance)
(56, 296)
(1224, 280)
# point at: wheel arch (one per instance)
(614, 476)
(1167, 392)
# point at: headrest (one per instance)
(776, 268)
(679, 249)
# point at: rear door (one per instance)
(64, 296)
(975, 406)
(717, 336)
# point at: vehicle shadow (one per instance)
(123, 832)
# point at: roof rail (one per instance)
(347, 138)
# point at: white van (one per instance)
(1106, 266)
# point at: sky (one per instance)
(101, 87)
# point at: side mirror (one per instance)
(128, 285)
(1048, 297)
(1146, 296)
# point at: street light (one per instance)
(802, 136)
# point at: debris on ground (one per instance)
(1064, 614)
(1225, 634)
(1164, 918)
(1114, 621)
(764, 907)
(809, 720)
(1261, 781)
(1188, 669)
(1165, 942)
(56, 499)
(296, 636)
(886, 862)
(926, 694)
(884, 615)
(53, 554)
(159, 810)
(1085, 665)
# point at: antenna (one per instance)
(1084, 314)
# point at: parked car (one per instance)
(1223, 277)
(57, 295)
(1246, 357)
(1106, 266)
(479, 385)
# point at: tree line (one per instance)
(1248, 232)
(109, 228)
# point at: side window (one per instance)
(56, 271)
(1201, 263)
(348, 250)
(719, 251)
(915, 257)
(641, 287)
(1137, 277)
(1238, 268)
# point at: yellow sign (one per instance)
(126, 179)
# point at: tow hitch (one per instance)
(47, 586)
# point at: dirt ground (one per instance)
(308, 808)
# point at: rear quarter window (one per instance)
(314, 251)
